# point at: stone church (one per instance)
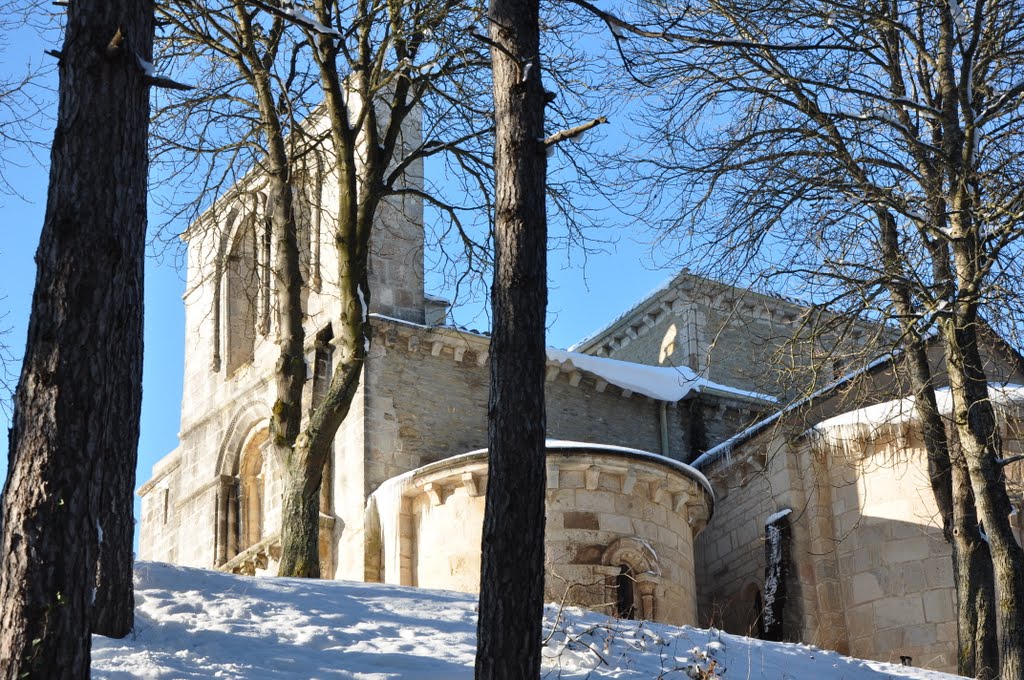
(684, 486)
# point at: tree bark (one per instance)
(300, 525)
(974, 420)
(977, 644)
(76, 409)
(309, 455)
(512, 570)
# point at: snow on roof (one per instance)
(564, 444)
(689, 470)
(726, 447)
(665, 383)
(776, 516)
(413, 324)
(857, 423)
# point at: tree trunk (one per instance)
(300, 522)
(76, 409)
(300, 511)
(309, 455)
(512, 570)
(114, 608)
(304, 467)
(974, 420)
(977, 643)
(300, 525)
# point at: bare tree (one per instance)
(512, 561)
(21, 100)
(872, 149)
(21, 111)
(340, 85)
(76, 408)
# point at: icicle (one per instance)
(387, 503)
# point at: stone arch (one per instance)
(240, 451)
(749, 612)
(632, 578)
(245, 420)
(241, 304)
(633, 552)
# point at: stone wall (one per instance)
(227, 392)
(894, 564)
(605, 509)
(725, 333)
(730, 555)
(871, 575)
(428, 401)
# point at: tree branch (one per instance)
(574, 132)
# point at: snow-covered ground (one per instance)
(192, 623)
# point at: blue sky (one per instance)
(581, 299)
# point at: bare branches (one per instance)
(826, 113)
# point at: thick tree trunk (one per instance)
(975, 423)
(114, 608)
(300, 524)
(300, 509)
(512, 570)
(304, 467)
(310, 452)
(76, 409)
(977, 643)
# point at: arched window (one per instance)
(632, 580)
(625, 593)
(241, 296)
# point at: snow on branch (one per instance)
(574, 133)
(153, 79)
(290, 11)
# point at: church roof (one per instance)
(685, 280)
(724, 449)
(870, 420)
(1001, 393)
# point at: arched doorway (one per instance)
(251, 484)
